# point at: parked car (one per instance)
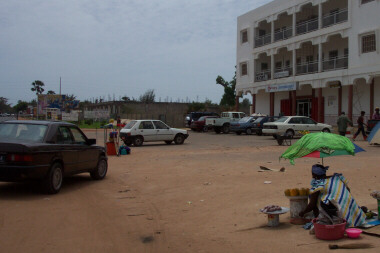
(222, 124)
(244, 125)
(48, 151)
(199, 125)
(292, 125)
(259, 123)
(137, 132)
(193, 116)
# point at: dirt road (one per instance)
(203, 196)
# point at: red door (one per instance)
(314, 110)
(286, 107)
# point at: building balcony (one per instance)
(283, 34)
(263, 76)
(335, 63)
(307, 26)
(282, 72)
(307, 68)
(263, 40)
(335, 18)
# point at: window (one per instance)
(366, 1)
(278, 65)
(146, 125)
(295, 121)
(64, 136)
(346, 52)
(333, 54)
(309, 58)
(368, 43)
(244, 36)
(244, 69)
(161, 125)
(78, 136)
(264, 66)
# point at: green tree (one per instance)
(38, 87)
(20, 106)
(148, 96)
(196, 107)
(50, 92)
(125, 98)
(228, 98)
(71, 97)
(4, 105)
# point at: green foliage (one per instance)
(38, 87)
(4, 105)
(21, 106)
(228, 99)
(50, 92)
(125, 98)
(148, 97)
(89, 121)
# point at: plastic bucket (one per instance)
(297, 204)
(329, 232)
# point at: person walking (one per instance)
(343, 122)
(376, 114)
(361, 124)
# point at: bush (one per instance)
(88, 121)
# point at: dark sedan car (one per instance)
(48, 151)
(244, 125)
(259, 123)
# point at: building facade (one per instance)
(310, 57)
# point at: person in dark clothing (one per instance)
(361, 126)
(343, 123)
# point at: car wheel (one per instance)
(326, 130)
(168, 142)
(275, 136)
(53, 181)
(128, 143)
(226, 128)
(205, 129)
(179, 139)
(217, 130)
(290, 133)
(101, 169)
(138, 141)
(248, 131)
(238, 133)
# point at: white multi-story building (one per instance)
(310, 57)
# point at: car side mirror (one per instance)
(91, 142)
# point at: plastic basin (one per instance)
(329, 232)
(353, 232)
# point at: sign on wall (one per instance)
(281, 87)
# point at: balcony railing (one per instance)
(335, 63)
(307, 26)
(283, 34)
(282, 72)
(263, 76)
(263, 40)
(335, 18)
(307, 68)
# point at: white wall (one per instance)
(278, 96)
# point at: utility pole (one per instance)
(60, 86)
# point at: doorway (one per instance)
(304, 107)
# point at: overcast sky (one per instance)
(103, 48)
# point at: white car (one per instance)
(138, 131)
(292, 125)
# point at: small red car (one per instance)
(199, 125)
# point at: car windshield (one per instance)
(22, 132)
(258, 120)
(282, 119)
(245, 119)
(130, 124)
(202, 118)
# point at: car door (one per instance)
(295, 124)
(147, 130)
(69, 152)
(87, 155)
(163, 131)
(311, 125)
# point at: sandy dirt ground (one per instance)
(203, 196)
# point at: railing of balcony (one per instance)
(335, 63)
(283, 72)
(335, 18)
(283, 34)
(263, 40)
(307, 68)
(307, 26)
(263, 76)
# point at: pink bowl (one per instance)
(353, 232)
